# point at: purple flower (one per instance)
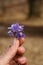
(20, 35)
(16, 27)
(17, 30)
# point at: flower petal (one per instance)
(10, 33)
(14, 27)
(20, 34)
(20, 28)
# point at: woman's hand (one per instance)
(14, 55)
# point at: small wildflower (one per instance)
(20, 34)
(16, 27)
(17, 30)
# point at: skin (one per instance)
(14, 55)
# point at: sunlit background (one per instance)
(30, 14)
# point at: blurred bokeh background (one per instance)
(30, 14)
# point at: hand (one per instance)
(14, 55)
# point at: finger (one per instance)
(12, 63)
(11, 52)
(21, 60)
(21, 41)
(21, 50)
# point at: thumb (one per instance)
(11, 52)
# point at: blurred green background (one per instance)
(30, 14)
